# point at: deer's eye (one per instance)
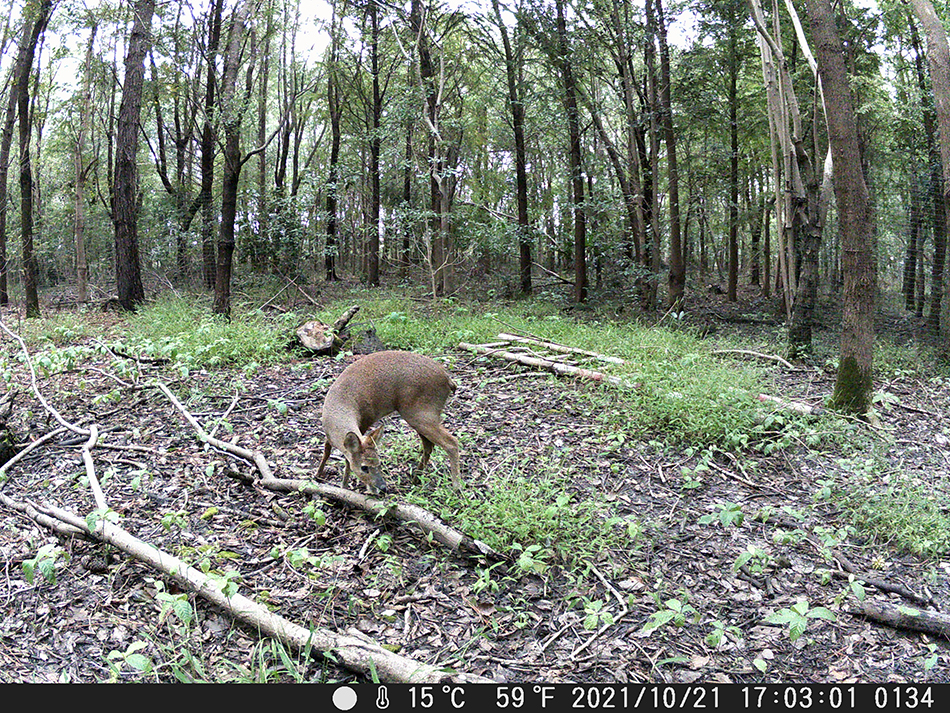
(364, 468)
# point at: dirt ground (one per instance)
(417, 598)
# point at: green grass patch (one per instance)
(185, 331)
(907, 515)
(685, 394)
(536, 518)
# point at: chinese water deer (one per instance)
(375, 386)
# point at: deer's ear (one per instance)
(375, 434)
(352, 442)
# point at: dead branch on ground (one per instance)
(411, 515)
(549, 365)
(902, 617)
(758, 355)
(560, 348)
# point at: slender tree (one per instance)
(37, 17)
(375, 146)
(125, 202)
(233, 106)
(82, 171)
(938, 54)
(578, 205)
(517, 109)
(677, 275)
(334, 107)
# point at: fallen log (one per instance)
(905, 618)
(324, 339)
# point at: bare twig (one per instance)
(624, 610)
(758, 355)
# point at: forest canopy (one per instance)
(617, 148)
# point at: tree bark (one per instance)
(677, 276)
(125, 207)
(208, 267)
(853, 388)
(938, 53)
(232, 112)
(331, 248)
(578, 206)
(372, 257)
(79, 203)
(733, 99)
(516, 105)
(31, 34)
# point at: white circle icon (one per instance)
(344, 698)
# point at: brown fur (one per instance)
(375, 386)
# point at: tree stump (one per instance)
(321, 338)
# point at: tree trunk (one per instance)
(372, 256)
(733, 99)
(938, 52)
(79, 203)
(436, 248)
(260, 249)
(516, 105)
(649, 159)
(854, 384)
(125, 208)
(6, 140)
(208, 148)
(677, 277)
(232, 112)
(577, 169)
(36, 17)
(407, 174)
(331, 248)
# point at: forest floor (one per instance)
(582, 621)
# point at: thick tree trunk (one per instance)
(125, 208)
(232, 110)
(854, 385)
